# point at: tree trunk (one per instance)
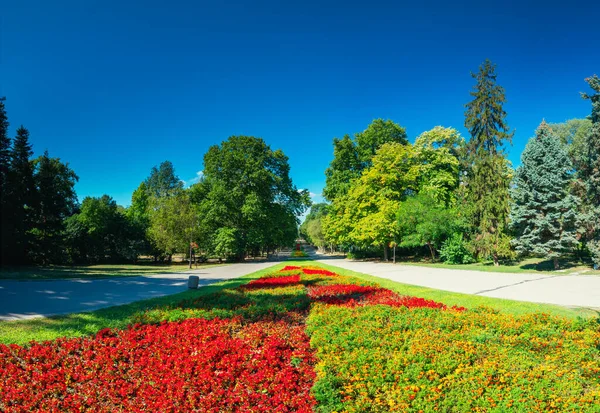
(385, 253)
(394, 253)
(496, 261)
(431, 250)
(556, 266)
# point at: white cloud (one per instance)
(193, 180)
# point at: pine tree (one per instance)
(544, 214)
(57, 200)
(4, 199)
(485, 115)
(590, 172)
(22, 196)
(489, 173)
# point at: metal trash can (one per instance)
(193, 282)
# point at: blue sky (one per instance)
(116, 87)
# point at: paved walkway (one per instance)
(565, 290)
(30, 299)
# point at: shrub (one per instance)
(454, 251)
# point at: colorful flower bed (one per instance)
(193, 365)
(351, 295)
(391, 359)
(247, 349)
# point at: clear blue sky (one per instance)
(115, 87)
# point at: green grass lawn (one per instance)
(92, 271)
(81, 324)
(528, 265)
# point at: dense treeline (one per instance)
(245, 203)
(461, 200)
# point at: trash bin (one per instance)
(193, 282)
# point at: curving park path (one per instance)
(565, 290)
(30, 299)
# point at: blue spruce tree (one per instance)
(544, 213)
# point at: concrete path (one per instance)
(565, 290)
(30, 299)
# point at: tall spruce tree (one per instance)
(485, 117)
(590, 172)
(22, 194)
(57, 200)
(544, 213)
(4, 199)
(488, 171)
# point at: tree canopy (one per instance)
(544, 214)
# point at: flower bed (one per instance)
(193, 365)
(352, 295)
(246, 349)
(273, 282)
(389, 359)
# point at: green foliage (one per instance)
(5, 221)
(455, 250)
(486, 191)
(544, 214)
(590, 172)
(573, 133)
(438, 152)
(57, 201)
(487, 206)
(247, 188)
(343, 169)
(485, 115)
(101, 232)
(312, 227)
(22, 194)
(227, 243)
(423, 221)
(366, 216)
(173, 222)
(352, 156)
(378, 133)
(162, 181)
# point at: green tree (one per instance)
(101, 232)
(485, 117)
(162, 181)
(488, 172)
(438, 152)
(366, 216)
(378, 133)
(227, 243)
(246, 184)
(5, 233)
(173, 222)
(423, 220)
(23, 194)
(544, 214)
(573, 134)
(352, 156)
(344, 168)
(312, 227)
(57, 200)
(590, 171)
